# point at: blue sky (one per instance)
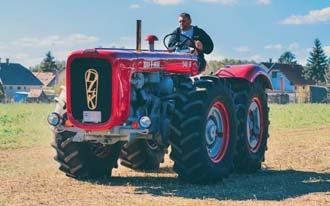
(247, 29)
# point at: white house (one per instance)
(17, 79)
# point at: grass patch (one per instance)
(23, 125)
(299, 115)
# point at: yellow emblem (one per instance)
(91, 82)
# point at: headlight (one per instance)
(145, 122)
(54, 119)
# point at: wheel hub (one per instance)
(214, 132)
(254, 125)
(211, 134)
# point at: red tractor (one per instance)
(132, 105)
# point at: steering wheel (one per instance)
(187, 41)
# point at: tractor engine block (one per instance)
(148, 101)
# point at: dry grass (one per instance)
(296, 172)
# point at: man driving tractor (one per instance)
(185, 33)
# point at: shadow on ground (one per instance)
(264, 185)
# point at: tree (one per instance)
(317, 64)
(287, 58)
(327, 74)
(49, 64)
(60, 65)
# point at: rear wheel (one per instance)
(252, 115)
(140, 154)
(203, 131)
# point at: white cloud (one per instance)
(225, 2)
(243, 49)
(62, 54)
(55, 40)
(82, 38)
(293, 46)
(314, 16)
(265, 2)
(126, 38)
(2, 47)
(166, 2)
(302, 54)
(25, 59)
(176, 2)
(214, 56)
(256, 58)
(273, 46)
(59, 45)
(327, 50)
(134, 6)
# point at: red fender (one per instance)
(249, 72)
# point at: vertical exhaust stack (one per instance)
(138, 35)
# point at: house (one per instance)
(2, 93)
(288, 79)
(17, 78)
(37, 95)
(51, 79)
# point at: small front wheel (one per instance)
(141, 154)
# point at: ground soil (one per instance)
(296, 172)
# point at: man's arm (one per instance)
(206, 41)
(173, 40)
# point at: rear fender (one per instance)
(249, 72)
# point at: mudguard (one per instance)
(249, 72)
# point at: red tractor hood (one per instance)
(122, 64)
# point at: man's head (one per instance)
(184, 21)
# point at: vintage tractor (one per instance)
(132, 105)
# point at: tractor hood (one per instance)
(98, 82)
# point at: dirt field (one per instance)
(296, 172)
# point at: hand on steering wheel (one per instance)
(187, 41)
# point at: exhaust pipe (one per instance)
(138, 35)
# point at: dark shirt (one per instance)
(198, 34)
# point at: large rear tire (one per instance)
(203, 130)
(142, 155)
(252, 116)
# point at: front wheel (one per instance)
(84, 160)
(203, 131)
(142, 155)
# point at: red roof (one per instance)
(35, 93)
(44, 77)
